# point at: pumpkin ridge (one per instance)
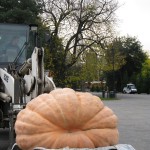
(43, 101)
(92, 117)
(79, 94)
(62, 113)
(84, 95)
(67, 96)
(113, 116)
(50, 124)
(29, 142)
(38, 99)
(107, 117)
(32, 133)
(104, 139)
(49, 107)
(43, 117)
(102, 120)
(58, 106)
(91, 139)
(88, 129)
(76, 137)
(79, 108)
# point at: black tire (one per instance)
(14, 147)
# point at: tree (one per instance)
(80, 24)
(91, 67)
(114, 56)
(114, 60)
(134, 58)
(57, 59)
(143, 78)
(20, 11)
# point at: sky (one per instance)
(134, 20)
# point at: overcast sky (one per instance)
(134, 16)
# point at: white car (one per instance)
(129, 89)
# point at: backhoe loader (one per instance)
(22, 74)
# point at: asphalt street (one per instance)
(133, 111)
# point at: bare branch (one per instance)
(80, 23)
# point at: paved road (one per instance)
(133, 111)
(4, 139)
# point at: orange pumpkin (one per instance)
(66, 118)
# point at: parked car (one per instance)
(129, 89)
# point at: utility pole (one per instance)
(113, 63)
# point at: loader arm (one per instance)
(38, 71)
(22, 75)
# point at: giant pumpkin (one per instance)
(66, 118)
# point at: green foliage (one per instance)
(133, 57)
(91, 66)
(114, 56)
(96, 88)
(47, 59)
(93, 89)
(74, 82)
(55, 60)
(143, 78)
(139, 83)
(146, 68)
(19, 11)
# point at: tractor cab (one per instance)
(17, 43)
